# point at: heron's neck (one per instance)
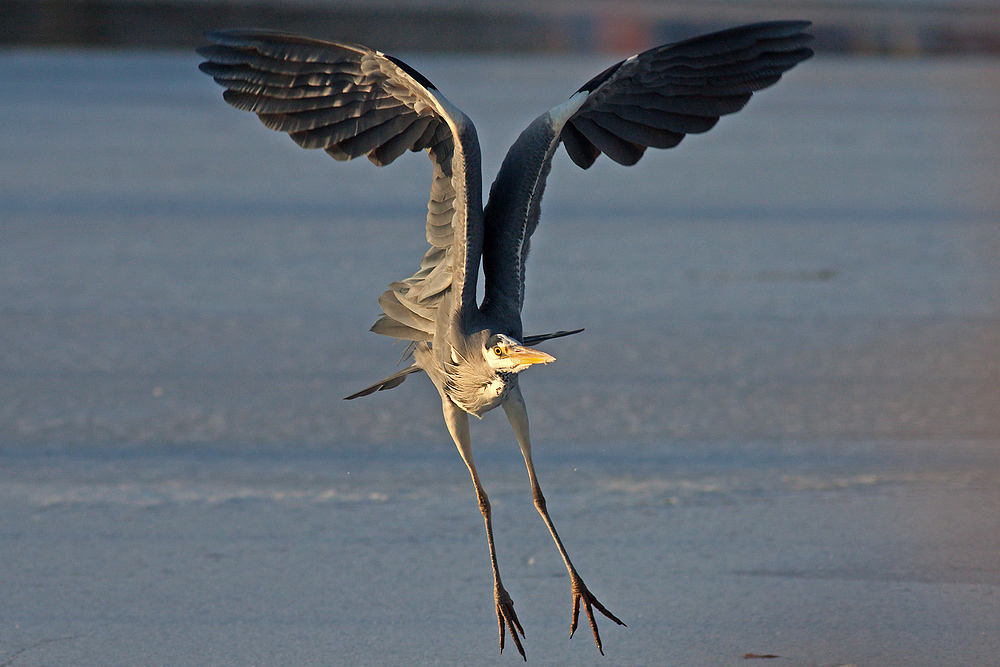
(478, 391)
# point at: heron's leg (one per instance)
(518, 416)
(458, 425)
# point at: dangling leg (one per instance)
(518, 416)
(458, 425)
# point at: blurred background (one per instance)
(857, 26)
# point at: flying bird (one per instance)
(351, 100)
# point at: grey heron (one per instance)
(350, 100)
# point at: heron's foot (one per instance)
(580, 592)
(507, 618)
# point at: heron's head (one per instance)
(506, 355)
(479, 382)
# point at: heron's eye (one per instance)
(498, 351)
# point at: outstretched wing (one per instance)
(652, 99)
(351, 101)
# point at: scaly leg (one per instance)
(518, 416)
(458, 425)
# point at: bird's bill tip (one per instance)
(528, 355)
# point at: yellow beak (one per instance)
(527, 355)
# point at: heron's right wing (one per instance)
(652, 99)
(350, 101)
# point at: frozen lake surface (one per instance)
(780, 433)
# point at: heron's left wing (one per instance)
(350, 101)
(652, 100)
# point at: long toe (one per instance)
(582, 594)
(507, 619)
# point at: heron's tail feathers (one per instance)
(534, 340)
(390, 382)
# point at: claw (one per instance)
(580, 592)
(507, 618)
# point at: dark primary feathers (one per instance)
(655, 98)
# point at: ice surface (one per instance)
(779, 434)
